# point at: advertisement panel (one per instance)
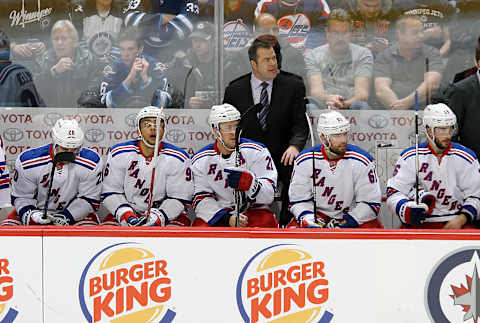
(21, 279)
(270, 279)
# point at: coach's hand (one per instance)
(289, 155)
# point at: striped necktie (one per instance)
(263, 114)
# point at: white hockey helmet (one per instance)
(438, 115)
(148, 112)
(223, 113)
(332, 123)
(67, 133)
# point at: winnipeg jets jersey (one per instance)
(4, 179)
(76, 186)
(211, 191)
(454, 179)
(148, 14)
(128, 176)
(348, 185)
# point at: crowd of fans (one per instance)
(352, 54)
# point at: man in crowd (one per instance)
(301, 22)
(164, 23)
(16, 82)
(339, 73)
(66, 69)
(347, 193)
(221, 173)
(132, 79)
(141, 189)
(280, 122)
(401, 69)
(464, 99)
(372, 23)
(448, 178)
(62, 178)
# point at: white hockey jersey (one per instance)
(128, 175)
(348, 185)
(454, 179)
(211, 191)
(76, 186)
(4, 179)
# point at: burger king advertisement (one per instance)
(244, 276)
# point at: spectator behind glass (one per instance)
(372, 23)
(401, 68)
(436, 16)
(132, 79)
(340, 73)
(464, 99)
(100, 16)
(17, 87)
(300, 22)
(65, 69)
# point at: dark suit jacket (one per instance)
(286, 122)
(464, 100)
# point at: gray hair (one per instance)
(66, 24)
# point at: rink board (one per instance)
(244, 275)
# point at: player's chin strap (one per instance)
(327, 148)
(219, 138)
(432, 140)
(146, 143)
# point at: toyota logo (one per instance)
(95, 135)
(50, 118)
(130, 120)
(175, 136)
(378, 121)
(13, 134)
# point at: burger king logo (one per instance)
(7, 313)
(126, 282)
(284, 283)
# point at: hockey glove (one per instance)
(428, 199)
(413, 213)
(307, 220)
(347, 222)
(61, 218)
(130, 218)
(243, 180)
(32, 217)
(157, 217)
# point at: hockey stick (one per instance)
(61, 157)
(238, 132)
(416, 147)
(427, 93)
(154, 167)
(256, 107)
(314, 193)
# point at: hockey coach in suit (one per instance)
(278, 119)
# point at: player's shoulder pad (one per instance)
(35, 157)
(250, 144)
(463, 152)
(208, 150)
(358, 154)
(87, 158)
(240, 78)
(174, 151)
(125, 147)
(307, 154)
(409, 152)
(6, 70)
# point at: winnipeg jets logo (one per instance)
(132, 5)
